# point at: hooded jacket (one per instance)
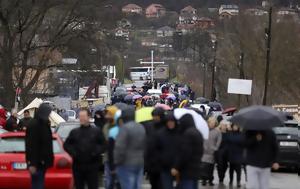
(38, 141)
(190, 149)
(130, 142)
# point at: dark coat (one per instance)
(23, 124)
(38, 141)
(261, 153)
(12, 124)
(222, 153)
(235, 147)
(151, 154)
(167, 148)
(85, 144)
(190, 149)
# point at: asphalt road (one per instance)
(279, 180)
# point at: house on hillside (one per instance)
(165, 31)
(187, 18)
(122, 33)
(204, 23)
(132, 9)
(155, 11)
(189, 9)
(256, 12)
(228, 11)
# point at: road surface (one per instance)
(279, 180)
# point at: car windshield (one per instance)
(71, 113)
(64, 130)
(287, 128)
(17, 145)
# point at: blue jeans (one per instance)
(167, 180)
(130, 177)
(107, 175)
(188, 184)
(38, 179)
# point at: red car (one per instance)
(13, 168)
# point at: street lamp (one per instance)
(123, 66)
(213, 70)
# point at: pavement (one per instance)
(279, 180)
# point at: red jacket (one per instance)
(2, 117)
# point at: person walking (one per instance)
(99, 119)
(112, 135)
(110, 123)
(39, 147)
(85, 144)
(23, 124)
(235, 154)
(12, 122)
(129, 151)
(152, 165)
(210, 148)
(187, 168)
(167, 150)
(261, 156)
(222, 153)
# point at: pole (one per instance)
(213, 73)
(267, 71)
(204, 80)
(152, 65)
(241, 68)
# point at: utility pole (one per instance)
(241, 68)
(267, 71)
(213, 91)
(152, 66)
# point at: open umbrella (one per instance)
(200, 123)
(216, 106)
(100, 107)
(258, 118)
(121, 106)
(146, 97)
(163, 106)
(128, 97)
(144, 114)
(171, 96)
(136, 97)
(202, 100)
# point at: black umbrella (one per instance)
(258, 118)
(202, 100)
(216, 106)
(121, 106)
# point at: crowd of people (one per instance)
(169, 151)
(11, 122)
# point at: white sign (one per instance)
(239, 86)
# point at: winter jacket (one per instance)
(167, 148)
(130, 142)
(261, 153)
(38, 141)
(212, 145)
(188, 160)
(23, 124)
(236, 147)
(12, 124)
(151, 153)
(85, 144)
(222, 153)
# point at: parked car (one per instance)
(3, 131)
(63, 129)
(71, 115)
(13, 167)
(288, 141)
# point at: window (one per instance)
(17, 145)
